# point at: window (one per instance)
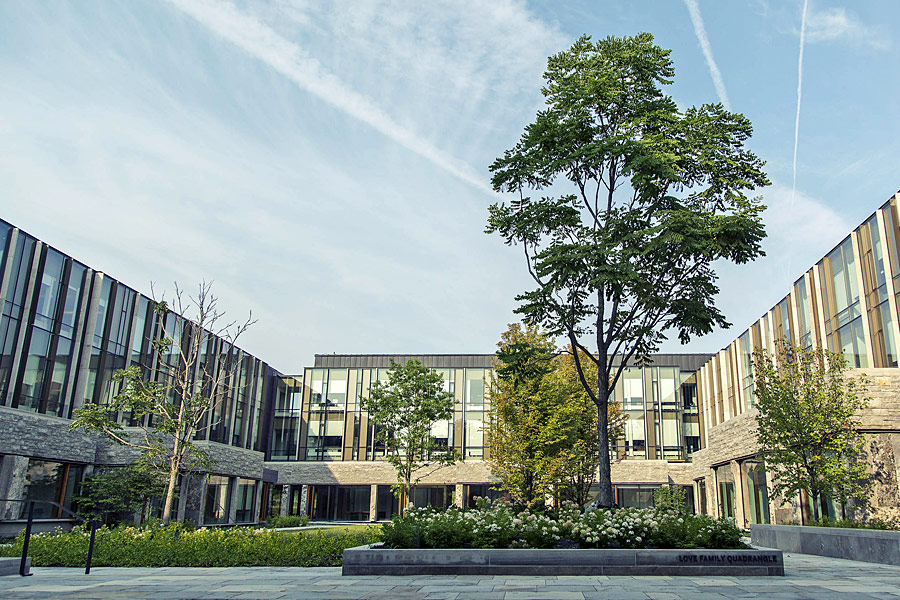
(245, 500)
(218, 500)
(51, 482)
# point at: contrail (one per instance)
(289, 59)
(799, 98)
(700, 30)
(797, 122)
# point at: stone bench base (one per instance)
(375, 560)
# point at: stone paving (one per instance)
(805, 577)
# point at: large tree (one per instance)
(165, 404)
(808, 431)
(406, 409)
(638, 199)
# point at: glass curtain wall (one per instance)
(663, 418)
(876, 283)
(325, 414)
(286, 418)
(65, 330)
(843, 323)
(474, 408)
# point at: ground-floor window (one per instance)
(756, 495)
(245, 501)
(479, 490)
(725, 480)
(339, 502)
(701, 485)
(641, 495)
(218, 500)
(387, 503)
(51, 482)
(439, 496)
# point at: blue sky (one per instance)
(325, 163)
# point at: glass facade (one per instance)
(331, 425)
(66, 329)
(663, 419)
(848, 302)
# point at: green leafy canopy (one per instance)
(637, 200)
(808, 430)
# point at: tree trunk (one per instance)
(605, 496)
(170, 493)
(173, 479)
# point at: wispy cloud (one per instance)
(292, 61)
(839, 24)
(700, 30)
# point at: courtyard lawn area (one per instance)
(342, 529)
(178, 545)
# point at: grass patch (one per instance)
(177, 545)
(342, 529)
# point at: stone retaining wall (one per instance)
(854, 544)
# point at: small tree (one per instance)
(192, 375)
(646, 198)
(117, 494)
(808, 434)
(517, 420)
(407, 407)
(542, 424)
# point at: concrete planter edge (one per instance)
(373, 559)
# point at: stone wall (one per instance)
(652, 472)
(24, 433)
(736, 439)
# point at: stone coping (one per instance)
(867, 545)
(374, 559)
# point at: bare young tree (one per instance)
(195, 360)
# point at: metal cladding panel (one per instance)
(686, 362)
(435, 361)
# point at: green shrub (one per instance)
(178, 545)
(503, 526)
(401, 533)
(670, 497)
(278, 521)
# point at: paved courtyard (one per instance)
(805, 577)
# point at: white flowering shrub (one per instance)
(504, 526)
